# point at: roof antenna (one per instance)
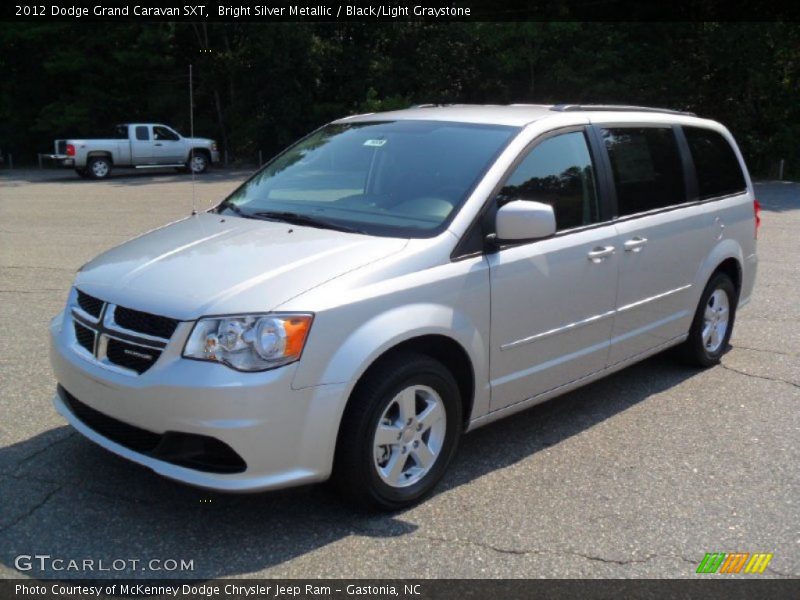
(191, 135)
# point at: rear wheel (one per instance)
(399, 432)
(99, 167)
(713, 323)
(82, 173)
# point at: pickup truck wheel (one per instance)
(399, 432)
(198, 162)
(82, 173)
(99, 167)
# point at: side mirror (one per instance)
(524, 220)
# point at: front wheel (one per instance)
(399, 432)
(198, 162)
(713, 323)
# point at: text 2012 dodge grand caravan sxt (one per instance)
(393, 280)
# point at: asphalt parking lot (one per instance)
(637, 475)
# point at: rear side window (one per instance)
(558, 172)
(718, 170)
(142, 134)
(647, 168)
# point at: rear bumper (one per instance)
(60, 160)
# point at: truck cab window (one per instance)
(162, 134)
(142, 134)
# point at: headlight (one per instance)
(249, 342)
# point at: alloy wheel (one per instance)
(409, 436)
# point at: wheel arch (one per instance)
(198, 150)
(726, 257)
(733, 269)
(444, 349)
(99, 154)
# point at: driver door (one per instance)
(167, 146)
(553, 300)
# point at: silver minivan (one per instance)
(394, 280)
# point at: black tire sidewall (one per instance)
(700, 353)
(420, 371)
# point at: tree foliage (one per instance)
(258, 87)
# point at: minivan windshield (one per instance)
(398, 178)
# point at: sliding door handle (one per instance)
(599, 253)
(635, 244)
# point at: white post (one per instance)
(191, 134)
(780, 170)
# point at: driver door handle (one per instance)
(598, 254)
(157, 144)
(635, 244)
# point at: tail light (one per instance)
(757, 213)
(70, 150)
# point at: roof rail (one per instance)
(617, 108)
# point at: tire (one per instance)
(197, 162)
(82, 173)
(99, 167)
(362, 469)
(712, 324)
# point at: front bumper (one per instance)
(285, 436)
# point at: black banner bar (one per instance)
(441, 11)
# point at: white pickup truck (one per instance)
(135, 145)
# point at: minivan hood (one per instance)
(210, 264)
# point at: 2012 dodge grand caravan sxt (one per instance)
(394, 280)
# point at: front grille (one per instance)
(119, 335)
(131, 356)
(191, 450)
(84, 336)
(146, 323)
(90, 304)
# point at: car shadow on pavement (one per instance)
(65, 497)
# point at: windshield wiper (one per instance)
(225, 204)
(298, 219)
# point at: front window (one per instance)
(558, 172)
(161, 133)
(399, 178)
